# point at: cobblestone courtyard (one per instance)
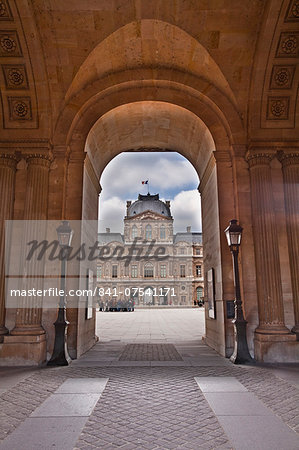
(150, 383)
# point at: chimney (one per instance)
(167, 203)
(188, 229)
(107, 230)
(129, 203)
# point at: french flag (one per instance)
(144, 182)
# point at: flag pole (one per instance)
(148, 187)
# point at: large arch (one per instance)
(182, 84)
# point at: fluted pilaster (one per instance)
(269, 287)
(29, 315)
(290, 170)
(8, 163)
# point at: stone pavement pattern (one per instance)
(151, 404)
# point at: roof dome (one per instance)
(149, 203)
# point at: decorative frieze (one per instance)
(9, 43)
(15, 76)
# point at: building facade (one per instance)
(148, 264)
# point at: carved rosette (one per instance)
(282, 76)
(293, 11)
(15, 76)
(5, 12)
(288, 46)
(9, 43)
(278, 108)
(20, 108)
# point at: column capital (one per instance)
(289, 158)
(8, 160)
(39, 159)
(259, 159)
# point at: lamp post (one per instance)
(241, 353)
(60, 356)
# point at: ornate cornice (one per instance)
(259, 159)
(8, 160)
(39, 159)
(288, 158)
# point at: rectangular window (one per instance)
(182, 271)
(114, 271)
(134, 272)
(182, 251)
(148, 271)
(183, 299)
(163, 272)
(99, 272)
(198, 271)
(198, 251)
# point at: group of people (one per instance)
(114, 305)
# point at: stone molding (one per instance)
(222, 156)
(92, 174)
(206, 175)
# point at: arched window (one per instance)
(134, 232)
(199, 293)
(148, 271)
(148, 232)
(162, 232)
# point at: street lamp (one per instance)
(241, 353)
(60, 356)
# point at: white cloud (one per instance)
(112, 212)
(186, 210)
(165, 171)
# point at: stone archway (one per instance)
(204, 126)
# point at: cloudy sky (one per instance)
(169, 174)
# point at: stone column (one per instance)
(269, 288)
(290, 170)
(29, 317)
(273, 340)
(8, 163)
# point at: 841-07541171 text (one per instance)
(132, 292)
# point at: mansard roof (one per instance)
(149, 203)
